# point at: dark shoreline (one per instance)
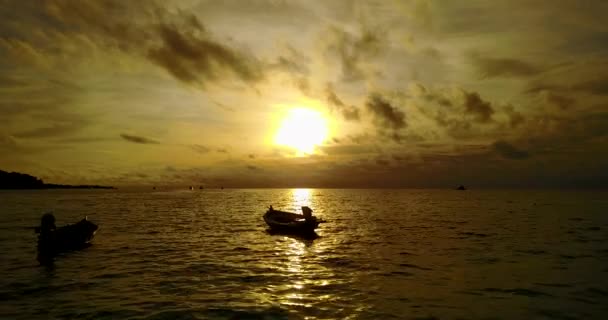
(22, 181)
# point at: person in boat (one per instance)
(46, 238)
(271, 208)
(308, 214)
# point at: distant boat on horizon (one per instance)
(461, 187)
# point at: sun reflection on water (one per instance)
(301, 197)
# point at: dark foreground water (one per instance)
(383, 254)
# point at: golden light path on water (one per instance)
(301, 197)
(307, 278)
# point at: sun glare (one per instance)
(303, 130)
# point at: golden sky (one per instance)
(277, 93)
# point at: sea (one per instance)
(382, 254)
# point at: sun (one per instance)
(302, 129)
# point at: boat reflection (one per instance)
(306, 238)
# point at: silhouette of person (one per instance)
(46, 238)
(308, 214)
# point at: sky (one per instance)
(417, 93)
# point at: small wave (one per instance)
(474, 234)
(553, 314)
(597, 292)
(413, 266)
(518, 292)
(396, 273)
(535, 252)
(405, 253)
(554, 285)
(224, 313)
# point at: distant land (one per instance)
(16, 180)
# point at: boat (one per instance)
(52, 240)
(289, 222)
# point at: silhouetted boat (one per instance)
(52, 240)
(461, 187)
(283, 221)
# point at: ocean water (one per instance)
(383, 254)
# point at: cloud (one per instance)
(7, 142)
(138, 139)
(560, 101)
(582, 76)
(515, 117)
(385, 113)
(175, 40)
(348, 112)
(200, 148)
(54, 130)
(508, 151)
(502, 67)
(470, 102)
(352, 50)
(293, 62)
(473, 104)
(192, 56)
(348, 149)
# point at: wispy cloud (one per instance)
(138, 139)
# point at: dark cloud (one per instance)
(222, 150)
(509, 151)
(138, 139)
(199, 148)
(560, 101)
(347, 149)
(303, 85)
(502, 67)
(385, 113)
(251, 156)
(382, 162)
(515, 117)
(584, 76)
(348, 112)
(7, 142)
(596, 85)
(352, 49)
(51, 131)
(83, 139)
(193, 56)
(173, 39)
(473, 104)
(292, 62)
(251, 167)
